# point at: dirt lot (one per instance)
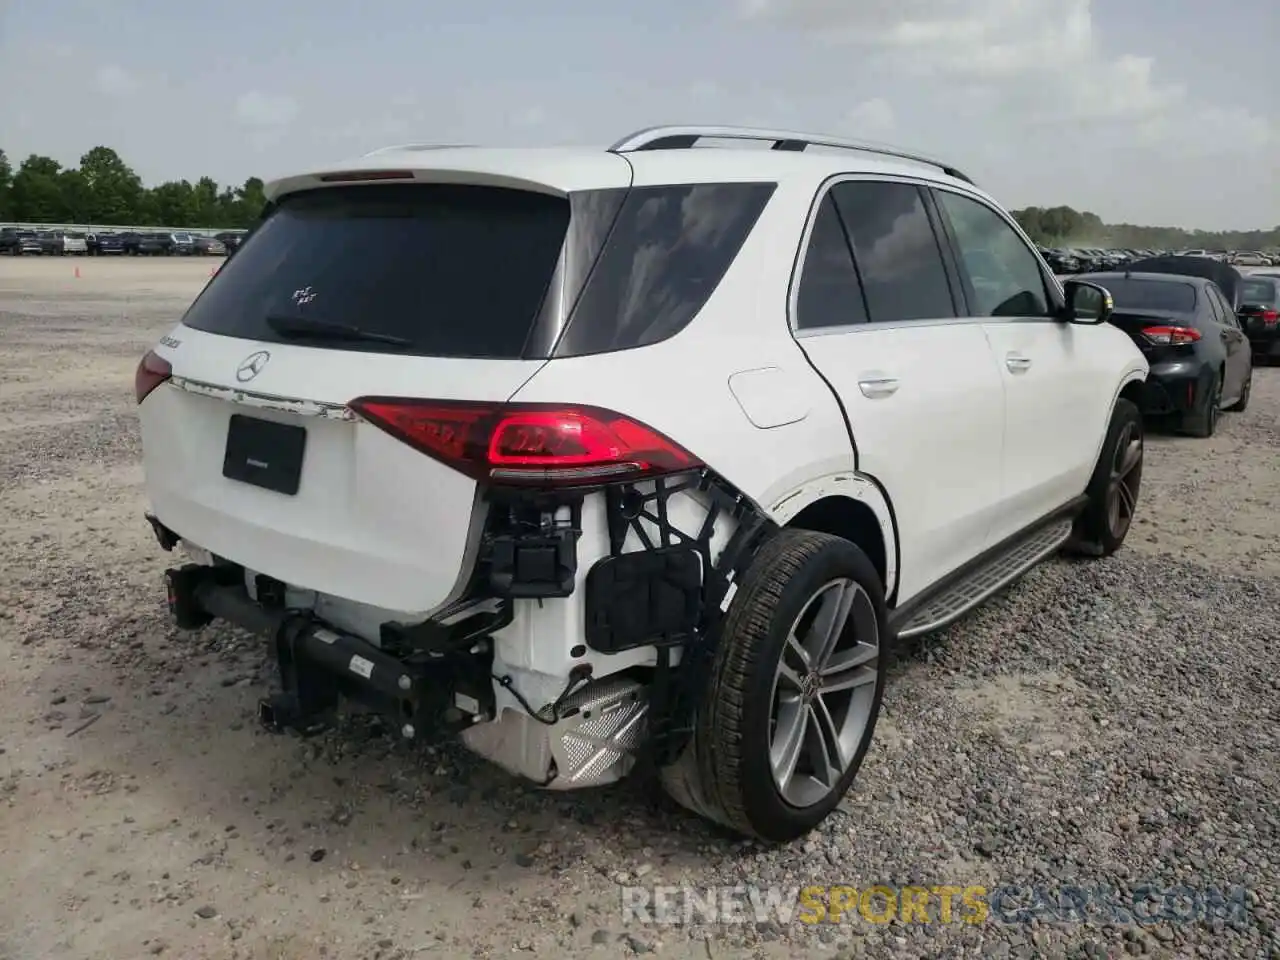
(1106, 723)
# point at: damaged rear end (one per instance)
(335, 435)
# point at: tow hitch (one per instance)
(416, 689)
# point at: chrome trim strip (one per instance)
(263, 401)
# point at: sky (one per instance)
(1159, 112)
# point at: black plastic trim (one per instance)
(902, 615)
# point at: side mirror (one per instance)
(1087, 302)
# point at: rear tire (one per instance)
(1243, 403)
(790, 708)
(1114, 487)
(1204, 423)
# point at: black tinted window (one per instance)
(1003, 273)
(457, 271)
(1226, 314)
(1164, 295)
(829, 294)
(896, 251)
(1263, 292)
(668, 250)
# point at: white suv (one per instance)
(638, 458)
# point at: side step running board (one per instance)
(972, 589)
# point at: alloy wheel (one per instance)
(823, 692)
(1126, 474)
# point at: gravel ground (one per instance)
(1109, 723)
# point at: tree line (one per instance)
(104, 189)
(1065, 227)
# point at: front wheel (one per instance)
(1114, 487)
(794, 691)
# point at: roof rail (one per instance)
(402, 147)
(684, 137)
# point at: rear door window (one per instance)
(829, 294)
(451, 270)
(896, 251)
(1227, 316)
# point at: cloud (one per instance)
(1035, 64)
(258, 109)
(871, 120)
(532, 116)
(115, 81)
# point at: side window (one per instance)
(829, 294)
(896, 251)
(1218, 315)
(669, 248)
(1003, 271)
(1224, 307)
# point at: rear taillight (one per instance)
(1171, 335)
(1269, 317)
(365, 176)
(152, 371)
(529, 444)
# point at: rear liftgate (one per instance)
(536, 464)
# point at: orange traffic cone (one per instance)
(77, 273)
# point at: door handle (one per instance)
(1017, 363)
(874, 388)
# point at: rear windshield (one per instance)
(1167, 296)
(1260, 291)
(454, 270)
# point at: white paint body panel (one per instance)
(935, 443)
(374, 521)
(773, 397)
(1058, 382)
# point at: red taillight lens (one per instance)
(1269, 317)
(152, 371)
(528, 444)
(1171, 335)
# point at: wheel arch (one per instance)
(851, 505)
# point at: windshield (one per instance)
(1166, 296)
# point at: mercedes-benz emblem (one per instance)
(252, 366)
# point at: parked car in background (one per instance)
(16, 242)
(1248, 258)
(1223, 274)
(73, 242)
(61, 242)
(231, 239)
(1187, 329)
(181, 244)
(209, 247)
(104, 242)
(155, 244)
(1060, 261)
(1259, 313)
